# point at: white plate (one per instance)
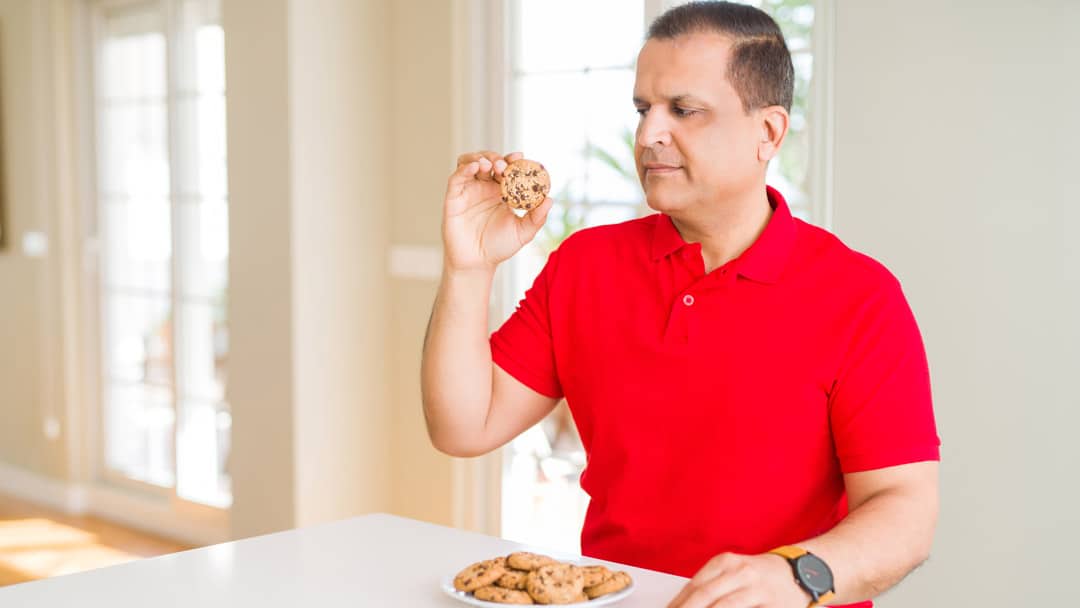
(461, 596)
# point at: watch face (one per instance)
(814, 573)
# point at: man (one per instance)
(753, 395)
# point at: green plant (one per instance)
(569, 214)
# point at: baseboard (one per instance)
(185, 523)
(196, 526)
(41, 490)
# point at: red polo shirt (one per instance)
(720, 411)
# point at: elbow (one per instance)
(450, 439)
(453, 444)
(457, 449)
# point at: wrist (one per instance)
(472, 274)
(812, 575)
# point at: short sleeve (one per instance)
(881, 410)
(523, 346)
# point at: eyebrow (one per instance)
(680, 98)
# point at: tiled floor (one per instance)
(37, 542)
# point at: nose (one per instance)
(653, 129)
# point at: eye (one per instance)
(641, 111)
(682, 112)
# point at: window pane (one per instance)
(570, 35)
(138, 339)
(146, 181)
(202, 452)
(210, 50)
(610, 123)
(609, 214)
(133, 67)
(201, 139)
(200, 66)
(139, 432)
(138, 244)
(551, 128)
(135, 147)
(203, 347)
(205, 251)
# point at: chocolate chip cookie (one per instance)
(480, 574)
(523, 560)
(556, 584)
(616, 581)
(513, 579)
(502, 596)
(594, 575)
(525, 184)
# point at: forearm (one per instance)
(878, 543)
(456, 366)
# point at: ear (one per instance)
(773, 122)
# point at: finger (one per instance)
(712, 569)
(533, 221)
(497, 173)
(539, 215)
(486, 168)
(469, 157)
(455, 201)
(742, 598)
(463, 175)
(514, 156)
(704, 595)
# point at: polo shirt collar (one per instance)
(764, 260)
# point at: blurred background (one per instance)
(220, 242)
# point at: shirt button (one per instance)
(688, 300)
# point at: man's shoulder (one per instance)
(830, 253)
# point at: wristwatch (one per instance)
(811, 572)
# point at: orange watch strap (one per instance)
(789, 552)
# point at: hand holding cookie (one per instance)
(529, 578)
(480, 227)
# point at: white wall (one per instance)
(261, 383)
(308, 141)
(340, 99)
(32, 374)
(956, 143)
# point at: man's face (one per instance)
(695, 144)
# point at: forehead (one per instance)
(691, 63)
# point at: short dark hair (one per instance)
(760, 68)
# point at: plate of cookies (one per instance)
(531, 578)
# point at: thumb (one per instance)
(531, 223)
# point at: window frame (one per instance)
(107, 490)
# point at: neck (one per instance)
(725, 228)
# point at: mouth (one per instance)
(658, 169)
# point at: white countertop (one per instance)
(372, 560)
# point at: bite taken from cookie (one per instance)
(525, 184)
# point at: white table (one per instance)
(373, 560)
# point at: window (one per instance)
(570, 107)
(162, 218)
